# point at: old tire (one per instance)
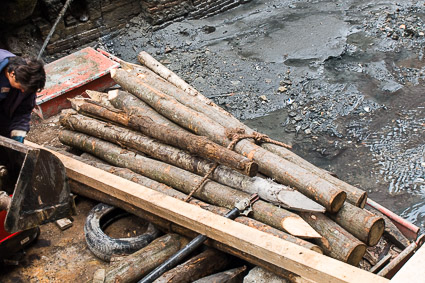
(103, 246)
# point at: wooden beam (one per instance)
(280, 253)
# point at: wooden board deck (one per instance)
(263, 246)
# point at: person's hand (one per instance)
(18, 135)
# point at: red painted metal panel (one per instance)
(71, 76)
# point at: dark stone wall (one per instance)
(206, 8)
(87, 20)
(166, 11)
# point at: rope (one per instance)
(236, 135)
(201, 183)
(239, 134)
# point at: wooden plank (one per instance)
(280, 253)
(412, 271)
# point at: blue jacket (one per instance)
(16, 107)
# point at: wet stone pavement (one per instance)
(342, 82)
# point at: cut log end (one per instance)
(376, 232)
(251, 169)
(337, 202)
(77, 102)
(142, 55)
(299, 228)
(112, 94)
(95, 95)
(358, 200)
(356, 254)
(113, 72)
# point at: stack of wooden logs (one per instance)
(172, 136)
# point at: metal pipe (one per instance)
(52, 30)
(194, 244)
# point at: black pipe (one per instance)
(181, 254)
(52, 30)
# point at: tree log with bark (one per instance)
(185, 181)
(336, 242)
(190, 142)
(138, 264)
(270, 164)
(361, 223)
(234, 275)
(190, 97)
(268, 190)
(206, 263)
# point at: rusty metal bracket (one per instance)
(394, 266)
(38, 184)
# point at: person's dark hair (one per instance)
(29, 72)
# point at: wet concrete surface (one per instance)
(341, 81)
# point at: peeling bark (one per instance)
(184, 181)
(190, 142)
(270, 164)
(168, 82)
(336, 242)
(268, 190)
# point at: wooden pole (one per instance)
(151, 63)
(270, 164)
(233, 275)
(136, 265)
(190, 142)
(206, 263)
(267, 189)
(336, 241)
(361, 223)
(129, 103)
(190, 97)
(258, 245)
(184, 181)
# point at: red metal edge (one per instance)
(109, 55)
(54, 98)
(408, 229)
(54, 106)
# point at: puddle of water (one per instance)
(318, 36)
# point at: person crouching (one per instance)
(20, 79)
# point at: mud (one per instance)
(342, 82)
(63, 256)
